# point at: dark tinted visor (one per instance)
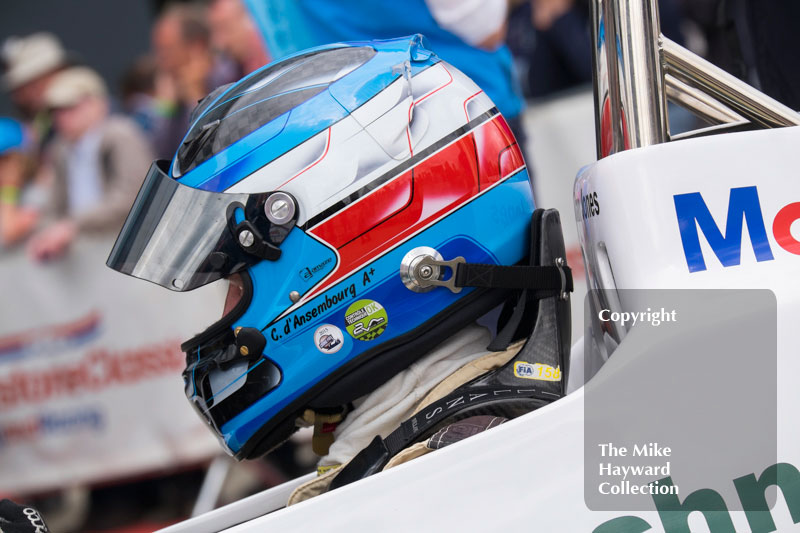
(182, 238)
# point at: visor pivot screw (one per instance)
(560, 261)
(246, 238)
(279, 208)
(244, 350)
(237, 330)
(294, 296)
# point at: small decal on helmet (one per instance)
(307, 273)
(365, 320)
(328, 338)
(537, 371)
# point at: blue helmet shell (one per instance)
(383, 148)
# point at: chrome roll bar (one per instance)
(636, 69)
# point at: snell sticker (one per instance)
(328, 338)
(366, 320)
(537, 371)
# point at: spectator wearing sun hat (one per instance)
(29, 65)
(98, 161)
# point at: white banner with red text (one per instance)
(90, 372)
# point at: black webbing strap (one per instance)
(377, 454)
(555, 279)
(423, 421)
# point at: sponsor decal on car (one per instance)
(744, 209)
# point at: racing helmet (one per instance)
(331, 190)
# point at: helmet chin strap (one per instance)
(534, 377)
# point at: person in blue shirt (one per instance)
(468, 34)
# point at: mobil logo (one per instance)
(744, 208)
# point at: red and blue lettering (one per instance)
(744, 207)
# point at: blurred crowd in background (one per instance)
(77, 144)
(77, 139)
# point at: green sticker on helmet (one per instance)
(365, 320)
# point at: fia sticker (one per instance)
(365, 320)
(328, 338)
(537, 371)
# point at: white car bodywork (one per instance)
(528, 473)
